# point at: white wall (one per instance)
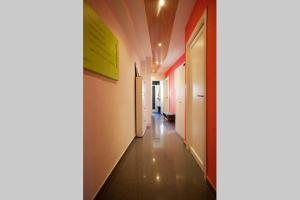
(157, 77)
(179, 82)
(146, 73)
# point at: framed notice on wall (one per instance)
(100, 46)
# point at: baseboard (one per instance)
(101, 187)
(198, 160)
(213, 187)
(179, 136)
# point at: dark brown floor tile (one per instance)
(157, 167)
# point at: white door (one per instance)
(166, 96)
(180, 100)
(198, 111)
(162, 97)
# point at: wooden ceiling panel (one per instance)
(160, 24)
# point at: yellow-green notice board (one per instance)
(100, 46)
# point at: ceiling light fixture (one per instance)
(159, 44)
(157, 177)
(161, 3)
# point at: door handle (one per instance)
(200, 95)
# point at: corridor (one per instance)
(157, 166)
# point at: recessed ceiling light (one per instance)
(157, 177)
(157, 62)
(161, 3)
(159, 44)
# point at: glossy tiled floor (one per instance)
(157, 166)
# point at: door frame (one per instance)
(156, 89)
(153, 99)
(201, 25)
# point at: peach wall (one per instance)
(109, 112)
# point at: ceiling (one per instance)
(177, 41)
(160, 21)
(146, 25)
(132, 18)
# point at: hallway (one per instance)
(157, 166)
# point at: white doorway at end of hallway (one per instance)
(156, 97)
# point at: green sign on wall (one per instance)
(100, 46)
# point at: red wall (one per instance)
(210, 76)
(171, 75)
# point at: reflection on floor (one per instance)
(157, 166)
